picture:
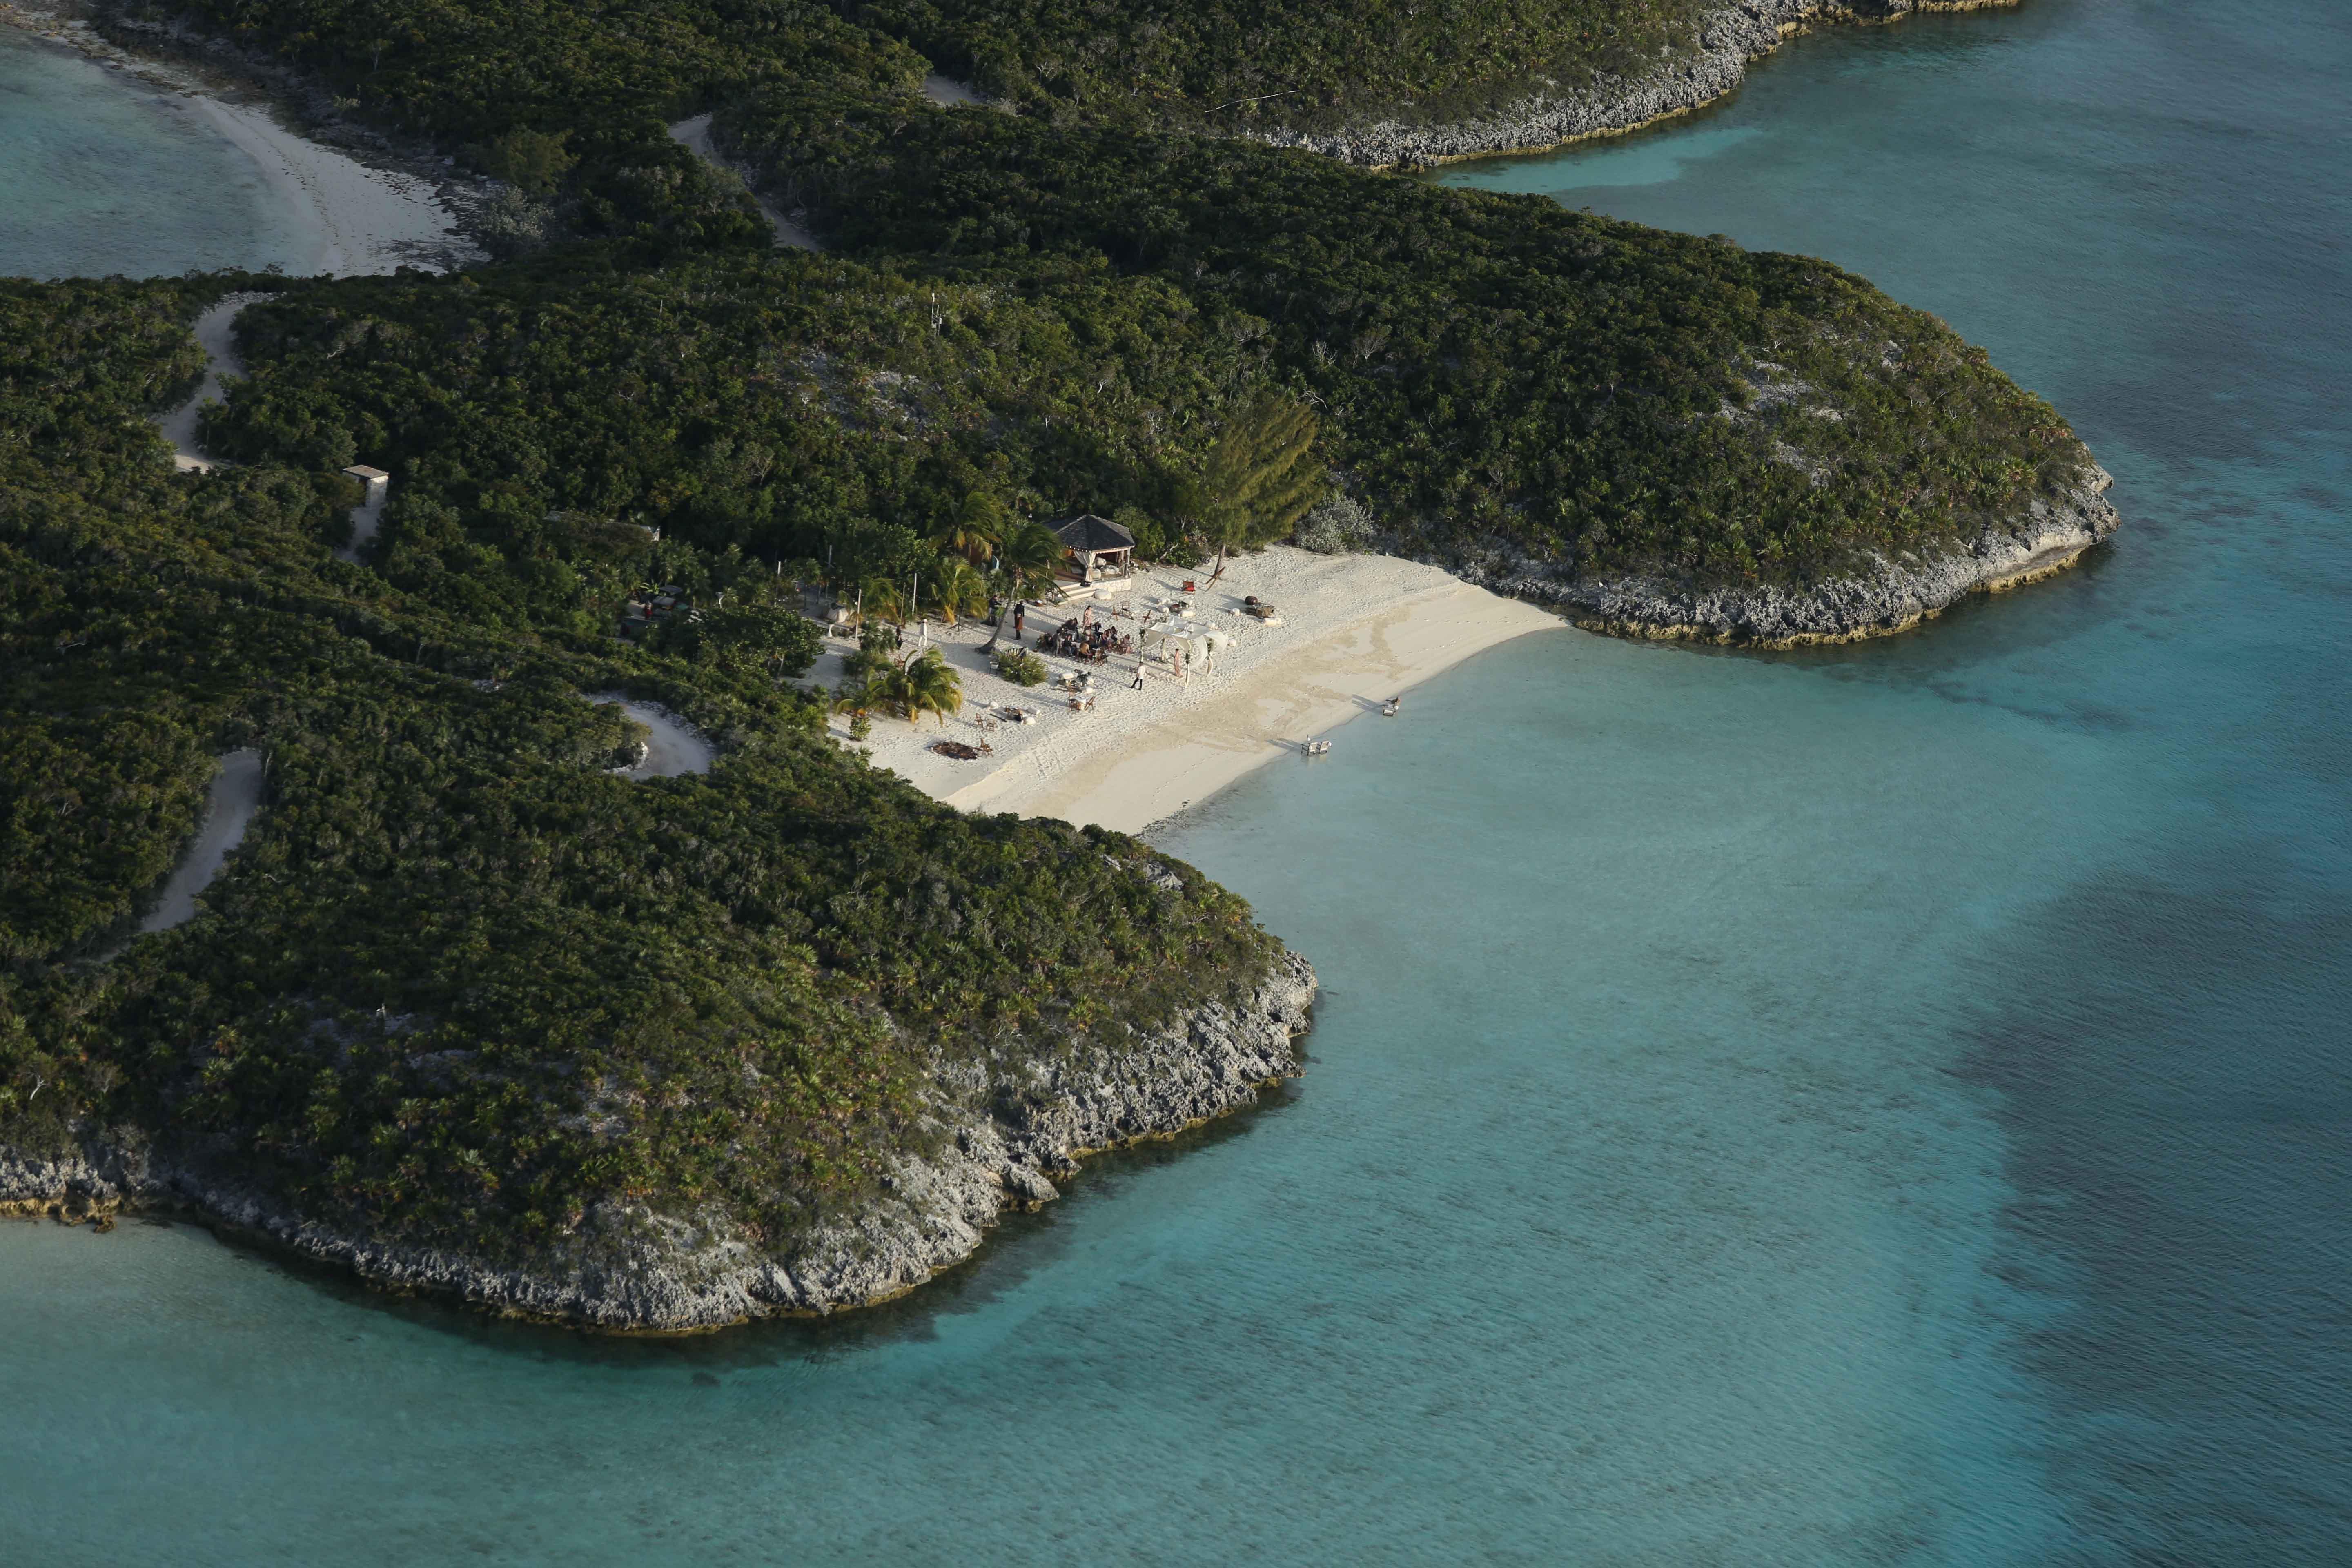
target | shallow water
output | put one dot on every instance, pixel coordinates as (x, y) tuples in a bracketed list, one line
[(105, 174), (1869, 1106)]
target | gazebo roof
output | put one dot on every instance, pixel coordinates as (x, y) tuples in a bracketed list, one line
[(1090, 534)]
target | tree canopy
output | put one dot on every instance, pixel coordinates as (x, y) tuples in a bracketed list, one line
[(1261, 474)]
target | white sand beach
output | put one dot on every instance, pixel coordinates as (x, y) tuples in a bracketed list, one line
[(365, 220), (362, 220), (1355, 630)]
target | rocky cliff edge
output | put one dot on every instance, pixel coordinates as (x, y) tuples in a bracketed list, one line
[(1728, 39), (1003, 1138), (1878, 597)]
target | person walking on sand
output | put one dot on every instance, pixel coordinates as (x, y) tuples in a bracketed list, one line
[(1020, 611)]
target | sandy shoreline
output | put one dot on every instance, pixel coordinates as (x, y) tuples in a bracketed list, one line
[(356, 219), (1355, 630), (362, 220)]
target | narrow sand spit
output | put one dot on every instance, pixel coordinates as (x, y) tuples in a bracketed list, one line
[(228, 807), (1355, 630), (365, 220), (694, 135), (671, 749), (213, 333)]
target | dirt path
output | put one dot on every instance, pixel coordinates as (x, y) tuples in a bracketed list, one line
[(694, 135), (213, 333), (228, 807), (366, 521), (671, 750)]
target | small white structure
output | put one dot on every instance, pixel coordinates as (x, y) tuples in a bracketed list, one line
[(376, 480)]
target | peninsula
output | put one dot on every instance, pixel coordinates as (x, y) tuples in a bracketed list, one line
[(575, 960)]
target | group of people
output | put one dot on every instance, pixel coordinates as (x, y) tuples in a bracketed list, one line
[(1094, 644)]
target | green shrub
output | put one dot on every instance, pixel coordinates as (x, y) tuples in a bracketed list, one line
[(533, 162), (1021, 666)]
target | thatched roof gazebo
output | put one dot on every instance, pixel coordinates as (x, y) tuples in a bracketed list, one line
[(1097, 548)]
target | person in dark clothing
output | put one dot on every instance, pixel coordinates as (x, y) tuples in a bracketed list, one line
[(1020, 610)]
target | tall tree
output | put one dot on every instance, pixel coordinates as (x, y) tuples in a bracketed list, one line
[(1262, 475), (1030, 553)]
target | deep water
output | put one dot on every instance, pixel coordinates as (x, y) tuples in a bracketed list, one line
[(101, 172), (1879, 1105)]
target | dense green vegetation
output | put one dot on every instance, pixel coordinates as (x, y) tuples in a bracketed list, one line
[(1224, 67), (792, 409), (463, 981), (1058, 310), (1488, 367)]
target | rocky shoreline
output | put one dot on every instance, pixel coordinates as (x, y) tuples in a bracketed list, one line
[(1884, 597), (1738, 33), (1002, 1142)]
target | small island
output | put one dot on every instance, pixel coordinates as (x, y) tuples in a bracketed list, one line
[(567, 954)]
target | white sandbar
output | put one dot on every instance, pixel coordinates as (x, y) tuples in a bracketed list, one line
[(363, 220)]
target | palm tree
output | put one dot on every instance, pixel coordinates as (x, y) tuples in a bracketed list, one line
[(926, 685), (1030, 552), (954, 587), (976, 530), (885, 689), (1261, 477), (884, 600)]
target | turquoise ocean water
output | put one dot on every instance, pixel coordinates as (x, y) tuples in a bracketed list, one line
[(1883, 1105), (100, 173)]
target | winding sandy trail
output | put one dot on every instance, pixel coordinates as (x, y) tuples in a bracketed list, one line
[(672, 749), (694, 135), (215, 334), (229, 806)]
